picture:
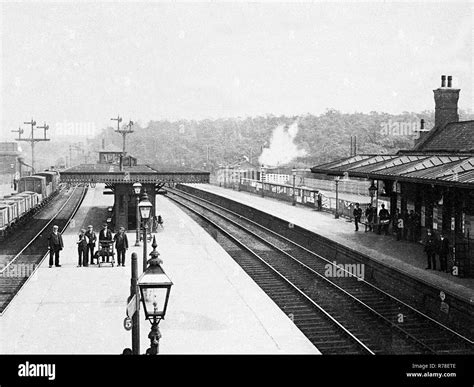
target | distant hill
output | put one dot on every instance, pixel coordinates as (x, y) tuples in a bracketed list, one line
[(208, 143)]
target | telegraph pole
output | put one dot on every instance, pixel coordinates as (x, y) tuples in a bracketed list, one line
[(32, 140), (77, 147), (124, 131)]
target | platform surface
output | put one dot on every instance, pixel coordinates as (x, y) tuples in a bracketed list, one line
[(214, 307), (407, 257)]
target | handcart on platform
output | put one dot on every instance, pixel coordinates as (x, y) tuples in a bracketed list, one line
[(106, 253)]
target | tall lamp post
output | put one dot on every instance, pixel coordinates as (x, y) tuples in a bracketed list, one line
[(373, 189), (336, 180), (294, 187), (155, 287), (137, 187), (145, 207)]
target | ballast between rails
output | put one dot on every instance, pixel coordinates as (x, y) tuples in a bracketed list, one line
[(334, 321), (179, 192), (394, 299)]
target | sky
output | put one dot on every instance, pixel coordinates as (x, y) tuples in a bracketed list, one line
[(79, 64)]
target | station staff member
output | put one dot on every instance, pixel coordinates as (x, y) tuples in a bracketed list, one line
[(121, 245), (105, 238), (82, 248), (90, 234), (55, 245)]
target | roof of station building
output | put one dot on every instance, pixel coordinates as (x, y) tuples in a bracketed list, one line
[(453, 137), (445, 156), (442, 168), (111, 173)]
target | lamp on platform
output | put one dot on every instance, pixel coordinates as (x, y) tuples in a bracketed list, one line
[(155, 287), (137, 187), (372, 191), (336, 180), (294, 187), (145, 207)]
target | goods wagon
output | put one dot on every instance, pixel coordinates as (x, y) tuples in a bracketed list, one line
[(33, 183)]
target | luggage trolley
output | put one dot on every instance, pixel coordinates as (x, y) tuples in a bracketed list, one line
[(106, 249)]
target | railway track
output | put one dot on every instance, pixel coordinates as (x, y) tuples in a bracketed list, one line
[(339, 313), (15, 274)]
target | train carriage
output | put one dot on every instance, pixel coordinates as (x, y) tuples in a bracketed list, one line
[(33, 183)]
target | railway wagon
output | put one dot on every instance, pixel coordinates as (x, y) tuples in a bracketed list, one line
[(33, 198), (52, 177), (4, 219), (33, 183), (21, 204), (28, 199), (12, 209)]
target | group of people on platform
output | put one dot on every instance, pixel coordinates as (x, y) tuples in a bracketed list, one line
[(87, 241), (405, 225), (86, 245)]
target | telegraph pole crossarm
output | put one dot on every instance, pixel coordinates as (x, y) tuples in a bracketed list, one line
[(32, 140)]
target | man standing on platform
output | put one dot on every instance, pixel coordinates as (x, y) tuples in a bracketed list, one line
[(357, 215), (384, 217), (90, 234), (55, 245), (121, 245), (369, 218), (82, 249), (430, 249), (105, 239), (443, 253)]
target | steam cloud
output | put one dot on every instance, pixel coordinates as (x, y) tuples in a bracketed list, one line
[(282, 149)]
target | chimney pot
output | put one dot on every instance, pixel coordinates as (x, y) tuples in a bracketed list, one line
[(443, 80), (450, 79)]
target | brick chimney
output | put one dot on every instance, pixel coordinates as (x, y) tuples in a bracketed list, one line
[(446, 103)]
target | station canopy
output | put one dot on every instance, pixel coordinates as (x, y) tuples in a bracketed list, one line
[(112, 174), (451, 169)]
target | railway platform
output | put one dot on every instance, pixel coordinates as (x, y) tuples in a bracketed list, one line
[(406, 257), (214, 307)]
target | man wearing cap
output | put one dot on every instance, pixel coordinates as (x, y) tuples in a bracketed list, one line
[(105, 238), (55, 245), (121, 245), (90, 234), (82, 248)]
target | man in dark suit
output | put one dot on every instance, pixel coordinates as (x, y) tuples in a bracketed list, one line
[(357, 215), (443, 253), (90, 234), (82, 249), (55, 245), (430, 249), (105, 238), (121, 245)]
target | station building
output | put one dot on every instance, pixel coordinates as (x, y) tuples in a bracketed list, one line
[(435, 179)]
